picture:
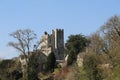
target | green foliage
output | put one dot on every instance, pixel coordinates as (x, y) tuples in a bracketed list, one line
[(71, 58), (51, 61), (75, 44), (81, 74), (90, 64), (10, 69), (16, 75), (115, 73), (33, 67), (76, 73)]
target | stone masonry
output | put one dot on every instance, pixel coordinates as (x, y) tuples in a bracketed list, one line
[(53, 42)]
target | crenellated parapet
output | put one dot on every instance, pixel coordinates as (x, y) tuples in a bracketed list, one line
[(53, 42)]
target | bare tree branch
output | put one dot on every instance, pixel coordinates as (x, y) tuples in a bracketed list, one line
[(24, 39)]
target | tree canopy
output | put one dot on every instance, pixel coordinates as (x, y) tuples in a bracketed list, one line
[(51, 61), (75, 44)]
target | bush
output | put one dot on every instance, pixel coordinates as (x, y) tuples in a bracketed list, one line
[(71, 58), (91, 66), (10, 69)]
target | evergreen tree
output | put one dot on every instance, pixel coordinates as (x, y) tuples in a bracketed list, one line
[(33, 67), (71, 57), (51, 60), (75, 44)]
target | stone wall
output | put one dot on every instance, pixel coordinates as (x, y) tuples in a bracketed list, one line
[(53, 42)]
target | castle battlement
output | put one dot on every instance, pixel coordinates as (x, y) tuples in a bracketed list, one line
[(53, 42)]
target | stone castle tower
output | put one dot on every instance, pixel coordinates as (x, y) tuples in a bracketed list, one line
[(53, 42)]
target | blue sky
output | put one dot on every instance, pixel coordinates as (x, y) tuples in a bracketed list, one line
[(74, 16)]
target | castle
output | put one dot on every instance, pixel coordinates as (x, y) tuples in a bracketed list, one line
[(48, 43), (53, 43)]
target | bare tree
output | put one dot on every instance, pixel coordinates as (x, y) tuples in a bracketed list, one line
[(24, 41), (111, 34), (23, 44), (97, 44), (111, 29)]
